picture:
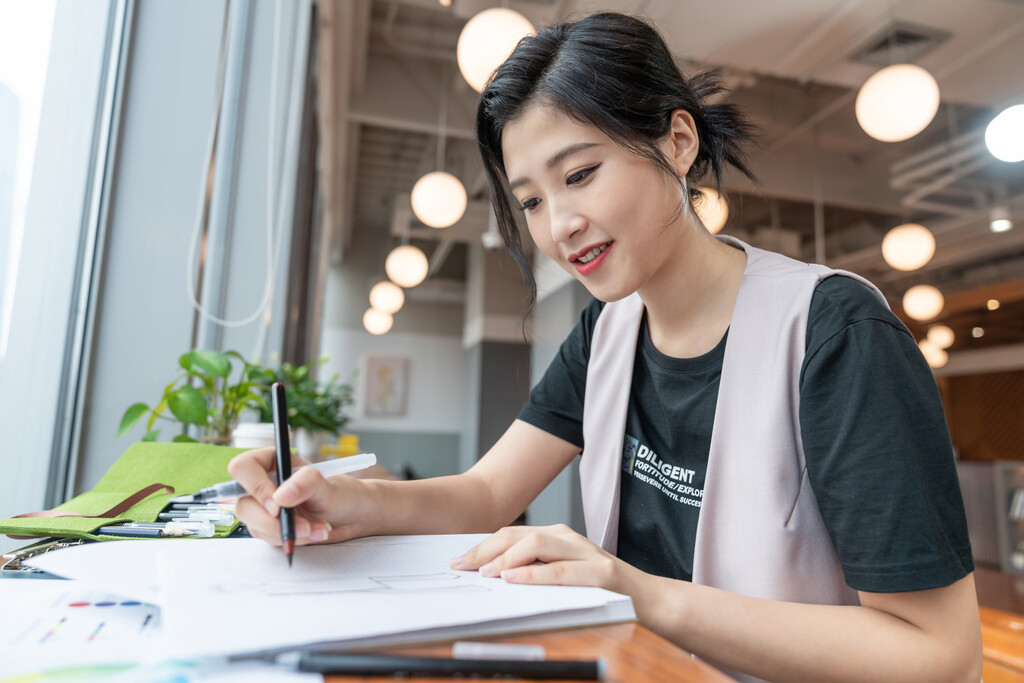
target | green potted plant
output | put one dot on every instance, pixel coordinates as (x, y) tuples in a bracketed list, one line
[(315, 408), (204, 395)]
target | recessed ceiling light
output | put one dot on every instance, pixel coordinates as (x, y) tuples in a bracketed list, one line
[(992, 304), (977, 332), (999, 219)]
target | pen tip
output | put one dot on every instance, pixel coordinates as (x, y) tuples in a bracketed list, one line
[(289, 549), (290, 560)]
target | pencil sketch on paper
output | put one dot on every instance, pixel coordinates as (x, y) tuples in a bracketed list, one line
[(398, 583)]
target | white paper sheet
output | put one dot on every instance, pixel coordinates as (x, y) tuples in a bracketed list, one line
[(128, 568), (71, 631), (239, 595), (223, 596), (52, 625)]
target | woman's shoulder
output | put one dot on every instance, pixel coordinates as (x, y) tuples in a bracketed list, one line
[(851, 300), (845, 304)]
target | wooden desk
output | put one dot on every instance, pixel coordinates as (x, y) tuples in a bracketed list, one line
[(633, 652)]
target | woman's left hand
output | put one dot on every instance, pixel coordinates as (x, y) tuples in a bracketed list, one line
[(551, 555)]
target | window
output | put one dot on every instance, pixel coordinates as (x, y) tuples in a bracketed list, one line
[(53, 61)]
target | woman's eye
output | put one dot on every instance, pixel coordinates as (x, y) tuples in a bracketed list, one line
[(581, 175), (529, 205)]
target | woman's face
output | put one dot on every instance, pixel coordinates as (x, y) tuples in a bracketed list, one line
[(610, 218)]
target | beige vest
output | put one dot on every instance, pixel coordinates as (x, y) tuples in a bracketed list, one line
[(760, 532)]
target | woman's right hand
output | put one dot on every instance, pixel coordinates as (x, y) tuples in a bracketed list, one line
[(326, 509)]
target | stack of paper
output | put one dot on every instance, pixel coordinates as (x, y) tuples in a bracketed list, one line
[(238, 596), (68, 624)]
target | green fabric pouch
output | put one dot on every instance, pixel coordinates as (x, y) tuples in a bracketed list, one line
[(181, 468)]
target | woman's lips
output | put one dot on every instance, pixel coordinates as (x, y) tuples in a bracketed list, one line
[(590, 266)]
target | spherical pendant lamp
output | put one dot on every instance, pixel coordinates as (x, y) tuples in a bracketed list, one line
[(941, 336), (923, 302), (439, 199), (386, 296), (486, 40), (908, 247), (406, 266), (933, 355), (1004, 137), (712, 210), (897, 102), (377, 322)]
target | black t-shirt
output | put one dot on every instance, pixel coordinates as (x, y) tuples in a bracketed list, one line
[(874, 434)]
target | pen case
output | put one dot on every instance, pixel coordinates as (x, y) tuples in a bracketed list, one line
[(135, 489)]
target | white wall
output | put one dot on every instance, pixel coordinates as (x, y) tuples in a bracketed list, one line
[(435, 403)]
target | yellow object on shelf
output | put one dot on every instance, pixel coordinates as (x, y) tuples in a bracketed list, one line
[(348, 444)]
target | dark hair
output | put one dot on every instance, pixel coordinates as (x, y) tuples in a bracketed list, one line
[(615, 72)]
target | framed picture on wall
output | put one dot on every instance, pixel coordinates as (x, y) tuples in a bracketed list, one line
[(386, 386)]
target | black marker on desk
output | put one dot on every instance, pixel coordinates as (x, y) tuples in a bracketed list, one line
[(279, 407), (385, 665)]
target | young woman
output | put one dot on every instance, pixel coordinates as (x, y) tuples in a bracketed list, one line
[(766, 468)]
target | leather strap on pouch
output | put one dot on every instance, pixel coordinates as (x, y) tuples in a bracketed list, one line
[(115, 511)]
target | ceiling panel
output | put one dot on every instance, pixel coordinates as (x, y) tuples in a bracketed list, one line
[(788, 65)]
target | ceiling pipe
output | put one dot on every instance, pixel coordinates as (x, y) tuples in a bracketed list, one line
[(837, 104), (868, 256), (819, 203), (977, 196), (925, 171), (438, 256), (944, 209), (944, 180), (808, 124), (388, 32), (907, 164)]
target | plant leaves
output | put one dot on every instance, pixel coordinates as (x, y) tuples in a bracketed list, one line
[(131, 416), (183, 438), (188, 405), (151, 435), (185, 361), (214, 362), (157, 412)]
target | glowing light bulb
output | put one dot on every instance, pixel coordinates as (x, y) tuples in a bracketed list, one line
[(934, 356), (406, 266), (377, 322), (941, 336), (486, 41), (897, 102), (439, 199), (923, 302), (1004, 136), (387, 297), (908, 247)]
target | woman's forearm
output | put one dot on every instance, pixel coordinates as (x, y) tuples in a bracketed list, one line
[(924, 636), (440, 505), (490, 495)]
